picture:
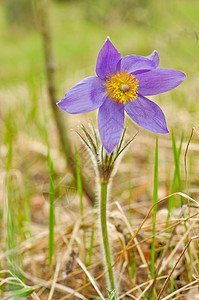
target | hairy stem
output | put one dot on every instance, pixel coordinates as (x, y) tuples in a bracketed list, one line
[(103, 220)]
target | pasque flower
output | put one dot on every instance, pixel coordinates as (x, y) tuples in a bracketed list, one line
[(120, 86)]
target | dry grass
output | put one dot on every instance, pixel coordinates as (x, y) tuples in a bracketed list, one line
[(69, 273)]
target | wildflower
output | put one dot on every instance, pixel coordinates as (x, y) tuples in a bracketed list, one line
[(121, 85)]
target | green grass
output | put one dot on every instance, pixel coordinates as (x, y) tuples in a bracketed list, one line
[(92, 236), (177, 166), (51, 199), (80, 192), (14, 219), (132, 260), (155, 199), (177, 157), (78, 39)]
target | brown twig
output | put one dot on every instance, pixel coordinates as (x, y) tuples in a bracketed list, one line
[(186, 152), (165, 251), (179, 258), (42, 12)]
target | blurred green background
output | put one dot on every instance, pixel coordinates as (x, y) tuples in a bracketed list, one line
[(79, 30)]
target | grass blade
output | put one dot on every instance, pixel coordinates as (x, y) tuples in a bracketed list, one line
[(12, 221), (155, 199), (132, 260), (27, 216), (80, 191), (92, 236), (177, 164), (171, 202), (51, 212), (79, 182), (177, 168), (24, 292), (51, 200)]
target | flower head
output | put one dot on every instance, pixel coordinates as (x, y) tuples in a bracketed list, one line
[(120, 86)]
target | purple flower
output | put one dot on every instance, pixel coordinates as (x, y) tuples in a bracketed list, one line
[(121, 85)]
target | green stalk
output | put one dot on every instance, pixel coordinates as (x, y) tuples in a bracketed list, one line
[(103, 219), (177, 164), (80, 191), (51, 198), (92, 236), (132, 261), (155, 199), (171, 202)]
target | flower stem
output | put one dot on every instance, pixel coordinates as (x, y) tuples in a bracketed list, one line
[(103, 219)]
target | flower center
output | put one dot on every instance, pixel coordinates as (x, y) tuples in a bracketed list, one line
[(121, 87)]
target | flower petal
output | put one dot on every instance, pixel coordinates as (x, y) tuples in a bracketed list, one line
[(159, 81), (147, 114), (87, 95), (107, 60), (133, 63), (155, 58), (110, 123)]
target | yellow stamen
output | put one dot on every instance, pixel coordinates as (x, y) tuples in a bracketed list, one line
[(121, 87)]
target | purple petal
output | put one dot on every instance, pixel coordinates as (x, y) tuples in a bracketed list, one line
[(155, 58), (87, 95), (107, 60), (110, 123), (159, 81), (147, 114), (134, 63)]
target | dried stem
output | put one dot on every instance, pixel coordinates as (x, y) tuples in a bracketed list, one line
[(165, 251), (186, 152), (42, 11), (179, 258)]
